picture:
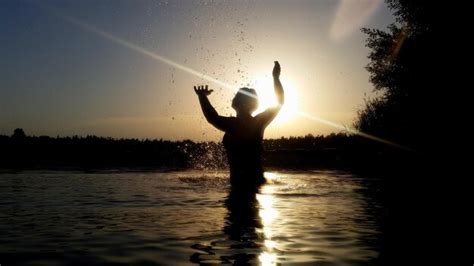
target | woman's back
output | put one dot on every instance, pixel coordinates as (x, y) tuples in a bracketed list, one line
[(243, 144)]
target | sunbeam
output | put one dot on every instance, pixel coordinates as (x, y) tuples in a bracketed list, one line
[(90, 28)]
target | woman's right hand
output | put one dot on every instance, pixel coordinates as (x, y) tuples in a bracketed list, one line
[(202, 90), (276, 70)]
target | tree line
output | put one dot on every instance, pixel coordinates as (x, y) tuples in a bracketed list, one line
[(341, 150)]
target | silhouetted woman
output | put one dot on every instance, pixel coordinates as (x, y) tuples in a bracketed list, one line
[(243, 133)]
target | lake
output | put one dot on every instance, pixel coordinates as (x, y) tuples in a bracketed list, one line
[(188, 217)]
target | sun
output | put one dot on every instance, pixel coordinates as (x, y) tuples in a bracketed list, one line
[(267, 98)]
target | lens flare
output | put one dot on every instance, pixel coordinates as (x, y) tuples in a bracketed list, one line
[(351, 15)]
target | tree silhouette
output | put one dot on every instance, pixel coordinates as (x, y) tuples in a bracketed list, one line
[(403, 69), (91, 152), (18, 133)]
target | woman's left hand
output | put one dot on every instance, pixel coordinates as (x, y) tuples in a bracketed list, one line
[(202, 90)]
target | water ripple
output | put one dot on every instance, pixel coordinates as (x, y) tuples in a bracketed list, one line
[(64, 218)]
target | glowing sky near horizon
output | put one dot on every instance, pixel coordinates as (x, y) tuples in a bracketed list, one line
[(59, 79)]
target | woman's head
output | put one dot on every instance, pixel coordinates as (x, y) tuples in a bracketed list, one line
[(245, 101)]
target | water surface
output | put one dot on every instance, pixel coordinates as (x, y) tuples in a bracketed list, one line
[(155, 218)]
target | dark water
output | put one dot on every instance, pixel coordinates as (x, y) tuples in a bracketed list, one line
[(71, 218)]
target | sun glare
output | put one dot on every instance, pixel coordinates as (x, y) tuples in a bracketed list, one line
[(267, 98)]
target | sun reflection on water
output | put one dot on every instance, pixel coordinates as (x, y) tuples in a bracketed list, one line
[(267, 214), (271, 177), (267, 259)]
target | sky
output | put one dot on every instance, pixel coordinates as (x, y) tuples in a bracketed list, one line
[(126, 69)]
